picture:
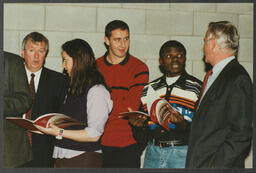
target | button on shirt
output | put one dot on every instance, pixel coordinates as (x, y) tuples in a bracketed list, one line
[(215, 72)]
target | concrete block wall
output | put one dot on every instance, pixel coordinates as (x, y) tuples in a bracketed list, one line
[(151, 24)]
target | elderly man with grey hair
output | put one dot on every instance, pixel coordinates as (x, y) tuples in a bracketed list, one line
[(221, 130)]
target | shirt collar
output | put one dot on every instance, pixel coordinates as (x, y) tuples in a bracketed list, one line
[(171, 80), (127, 57), (37, 73), (219, 66), (180, 81)]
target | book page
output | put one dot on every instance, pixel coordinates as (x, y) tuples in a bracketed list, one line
[(63, 121), (127, 115), (160, 111)]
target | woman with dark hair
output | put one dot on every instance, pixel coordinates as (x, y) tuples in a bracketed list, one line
[(88, 101)]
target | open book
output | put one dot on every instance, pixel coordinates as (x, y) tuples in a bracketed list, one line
[(60, 120), (159, 111)]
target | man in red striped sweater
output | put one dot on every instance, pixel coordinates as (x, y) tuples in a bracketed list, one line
[(126, 77)]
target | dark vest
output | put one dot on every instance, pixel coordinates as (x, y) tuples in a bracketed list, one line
[(76, 107)]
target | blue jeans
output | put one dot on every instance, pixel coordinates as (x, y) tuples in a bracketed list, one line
[(165, 157)]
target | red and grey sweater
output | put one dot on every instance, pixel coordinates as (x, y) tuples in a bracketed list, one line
[(126, 81)]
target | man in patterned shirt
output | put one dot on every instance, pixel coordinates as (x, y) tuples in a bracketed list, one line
[(168, 149)]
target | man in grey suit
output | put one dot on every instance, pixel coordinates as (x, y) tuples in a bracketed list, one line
[(16, 101), (221, 130), (50, 89)]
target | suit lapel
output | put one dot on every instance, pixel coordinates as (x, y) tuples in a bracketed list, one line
[(220, 80)]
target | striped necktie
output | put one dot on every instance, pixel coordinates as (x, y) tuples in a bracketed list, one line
[(28, 114)]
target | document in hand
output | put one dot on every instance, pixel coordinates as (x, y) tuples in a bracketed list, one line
[(159, 113), (60, 120)]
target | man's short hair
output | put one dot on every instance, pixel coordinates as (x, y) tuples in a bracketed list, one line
[(36, 37), (226, 35), (172, 44), (113, 25)]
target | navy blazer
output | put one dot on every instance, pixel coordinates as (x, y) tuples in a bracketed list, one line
[(50, 95), (221, 130)]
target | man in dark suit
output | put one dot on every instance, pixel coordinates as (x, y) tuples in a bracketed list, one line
[(50, 88), (16, 101), (221, 130)]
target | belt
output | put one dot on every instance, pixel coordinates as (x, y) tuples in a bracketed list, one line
[(168, 143)]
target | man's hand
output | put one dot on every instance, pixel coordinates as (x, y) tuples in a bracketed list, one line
[(136, 121), (177, 118)]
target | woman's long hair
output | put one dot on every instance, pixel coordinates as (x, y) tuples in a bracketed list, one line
[(84, 72)]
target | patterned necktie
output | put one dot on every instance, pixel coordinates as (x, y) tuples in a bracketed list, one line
[(28, 114), (203, 87)]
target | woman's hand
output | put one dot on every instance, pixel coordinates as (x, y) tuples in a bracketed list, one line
[(51, 130)]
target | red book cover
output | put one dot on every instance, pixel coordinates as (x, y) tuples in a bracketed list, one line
[(60, 120), (160, 111)]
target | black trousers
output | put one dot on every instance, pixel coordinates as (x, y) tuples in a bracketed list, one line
[(121, 157)]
